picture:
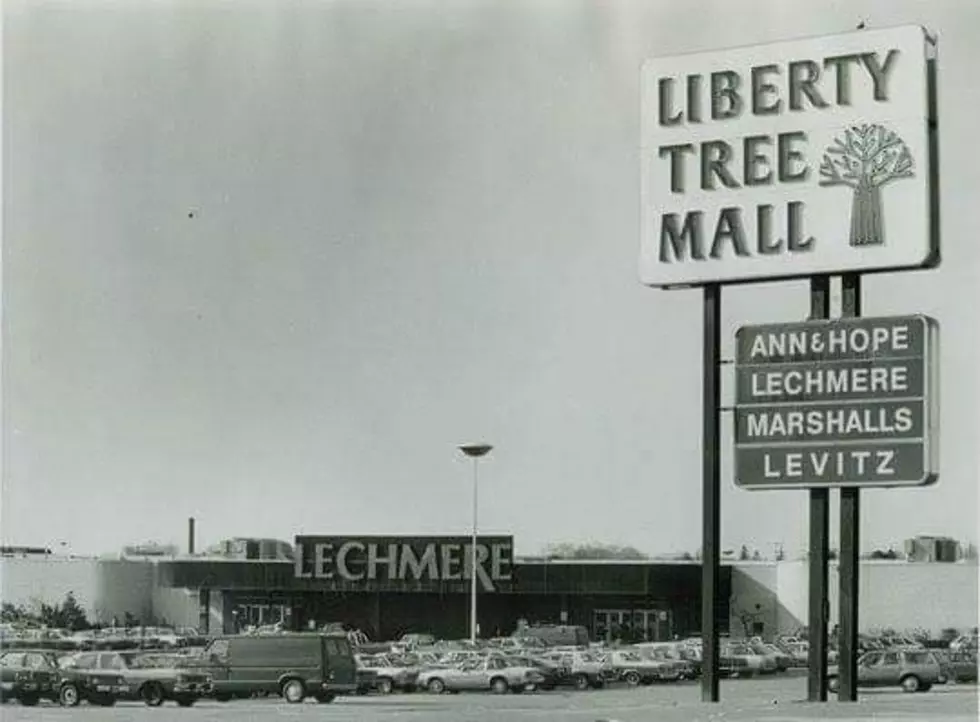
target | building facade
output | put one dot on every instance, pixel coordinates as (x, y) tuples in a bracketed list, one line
[(389, 586)]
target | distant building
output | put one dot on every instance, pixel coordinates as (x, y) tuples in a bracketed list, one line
[(931, 549), (149, 549), (248, 548), (14, 551)]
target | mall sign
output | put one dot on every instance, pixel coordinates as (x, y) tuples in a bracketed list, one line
[(787, 160), (848, 402)]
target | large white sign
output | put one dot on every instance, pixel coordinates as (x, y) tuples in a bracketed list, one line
[(786, 160)]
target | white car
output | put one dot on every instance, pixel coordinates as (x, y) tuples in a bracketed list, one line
[(497, 674)]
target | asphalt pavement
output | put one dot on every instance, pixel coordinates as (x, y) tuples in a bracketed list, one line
[(778, 699)]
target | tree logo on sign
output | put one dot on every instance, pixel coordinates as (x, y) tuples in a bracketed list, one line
[(865, 158)]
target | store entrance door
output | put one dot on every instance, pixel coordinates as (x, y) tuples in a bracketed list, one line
[(631, 625), (652, 625), (607, 623)]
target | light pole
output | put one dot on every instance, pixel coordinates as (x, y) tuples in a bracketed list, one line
[(474, 451)]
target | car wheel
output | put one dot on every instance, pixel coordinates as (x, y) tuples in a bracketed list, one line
[(325, 697), (436, 686), (581, 682), (152, 694), (68, 696), (498, 685), (28, 700), (385, 685), (184, 701), (632, 679), (598, 684), (833, 684), (910, 683), (222, 697), (293, 691)]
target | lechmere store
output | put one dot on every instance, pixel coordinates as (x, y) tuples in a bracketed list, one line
[(389, 586)]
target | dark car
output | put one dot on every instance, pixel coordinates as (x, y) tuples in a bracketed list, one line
[(582, 669), (957, 666), (95, 686), (365, 680), (295, 666), (28, 676), (150, 678)]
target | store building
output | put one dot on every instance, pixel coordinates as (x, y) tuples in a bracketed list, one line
[(388, 586)]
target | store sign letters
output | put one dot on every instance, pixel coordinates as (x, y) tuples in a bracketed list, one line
[(426, 559)]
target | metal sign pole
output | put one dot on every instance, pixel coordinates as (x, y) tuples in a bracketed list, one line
[(850, 538), (819, 542), (711, 493)]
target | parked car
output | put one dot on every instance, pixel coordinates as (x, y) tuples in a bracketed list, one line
[(553, 675), (365, 680), (781, 659), (964, 643), (957, 666), (296, 666), (496, 674), (425, 660), (912, 670), (390, 673), (415, 640), (145, 680), (743, 660), (673, 667), (28, 676), (95, 686), (555, 635), (585, 668), (631, 668)]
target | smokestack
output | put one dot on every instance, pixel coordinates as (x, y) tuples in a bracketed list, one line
[(190, 535)]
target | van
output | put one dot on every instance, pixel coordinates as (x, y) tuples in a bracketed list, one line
[(556, 635), (295, 666)]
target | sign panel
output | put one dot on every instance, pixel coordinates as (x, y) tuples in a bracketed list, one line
[(846, 402), (788, 159), (404, 563)]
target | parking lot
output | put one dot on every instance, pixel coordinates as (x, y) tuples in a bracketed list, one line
[(777, 699)]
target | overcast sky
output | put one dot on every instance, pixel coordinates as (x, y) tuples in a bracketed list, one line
[(267, 263)]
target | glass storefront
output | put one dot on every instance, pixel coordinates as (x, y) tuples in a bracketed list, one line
[(632, 625), (260, 615)]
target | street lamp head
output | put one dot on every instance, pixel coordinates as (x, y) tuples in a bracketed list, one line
[(475, 450)]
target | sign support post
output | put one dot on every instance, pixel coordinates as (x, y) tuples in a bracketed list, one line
[(711, 492), (850, 538), (819, 542)]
